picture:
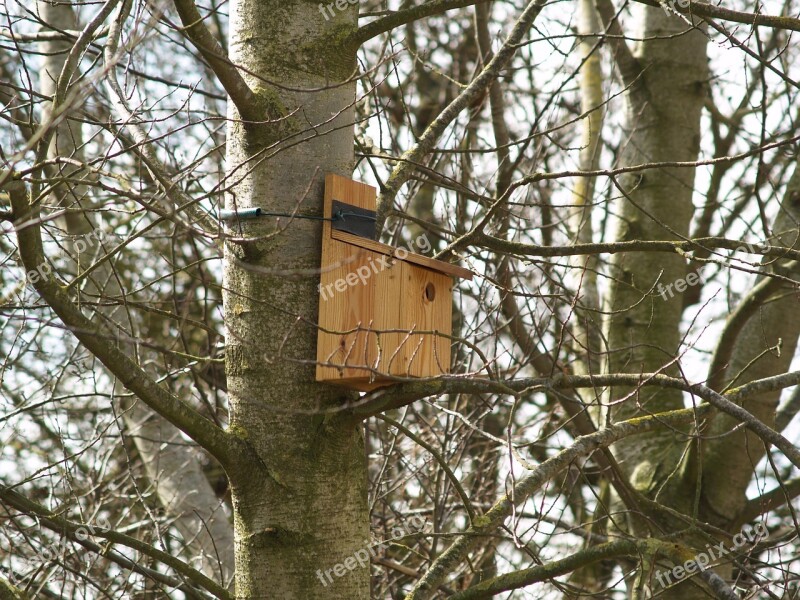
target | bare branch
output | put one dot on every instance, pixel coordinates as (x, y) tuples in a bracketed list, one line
[(144, 147), (681, 246), (405, 393), (70, 529), (733, 327), (402, 172), (494, 518), (525, 577), (629, 67), (229, 76), (703, 9), (776, 497), (10, 592), (224, 447), (788, 410), (403, 17)]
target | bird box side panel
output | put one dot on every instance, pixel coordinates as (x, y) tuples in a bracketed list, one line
[(346, 308), (346, 314), (426, 317)]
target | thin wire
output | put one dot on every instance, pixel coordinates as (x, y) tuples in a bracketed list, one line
[(309, 217), (230, 215)]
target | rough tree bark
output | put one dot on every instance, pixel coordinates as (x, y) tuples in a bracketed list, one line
[(760, 340), (304, 508), (666, 75), (663, 123)]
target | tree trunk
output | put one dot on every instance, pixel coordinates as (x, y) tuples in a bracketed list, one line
[(765, 346), (663, 124), (303, 510)]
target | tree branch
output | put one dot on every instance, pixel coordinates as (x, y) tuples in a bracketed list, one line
[(224, 447), (519, 579), (788, 410), (403, 394), (708, 243), (439, 459), (407, 391), (10, 592), (733, 327), (503, 508), (69, 529), (767, 434), (702, 9), (769, 501), (229, 76), (403, 17), (411, 160), (402, 172), (629, 67), (144, 146)]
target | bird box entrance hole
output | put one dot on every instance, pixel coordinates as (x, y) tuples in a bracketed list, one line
[(384, 312)]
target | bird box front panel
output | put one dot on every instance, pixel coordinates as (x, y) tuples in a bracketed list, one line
[(423, 345)]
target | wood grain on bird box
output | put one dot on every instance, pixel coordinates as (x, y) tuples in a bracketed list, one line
[(384, 312)]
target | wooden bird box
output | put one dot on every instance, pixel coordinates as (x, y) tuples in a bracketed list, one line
[(383, 312)]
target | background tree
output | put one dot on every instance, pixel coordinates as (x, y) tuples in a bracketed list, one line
[(622, 179)]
